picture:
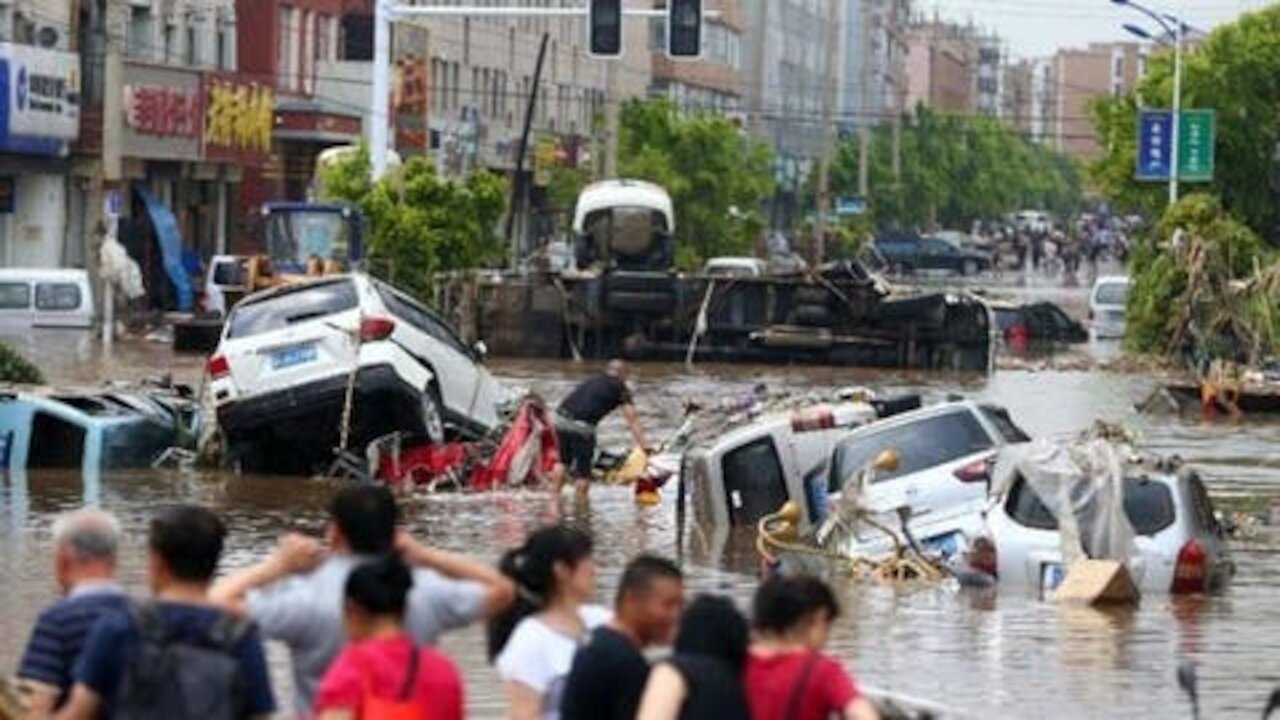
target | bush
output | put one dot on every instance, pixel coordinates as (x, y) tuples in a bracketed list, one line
[(16, 369)]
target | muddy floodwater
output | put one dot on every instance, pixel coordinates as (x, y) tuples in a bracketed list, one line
[(1000, 655)]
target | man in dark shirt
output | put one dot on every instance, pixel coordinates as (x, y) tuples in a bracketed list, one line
[(607, 678), (580, 413), (85, 545), (185, 544)]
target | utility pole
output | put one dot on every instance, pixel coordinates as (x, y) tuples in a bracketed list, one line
[(611, 119), (116, 24), (828, 132), (519, 195)]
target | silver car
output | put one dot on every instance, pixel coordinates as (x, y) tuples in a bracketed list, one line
[(1180, 546)]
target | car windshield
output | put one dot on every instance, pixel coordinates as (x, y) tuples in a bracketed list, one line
[(921, 445), (279, 310), (295, 237), (1112, 293), (1148, 505)]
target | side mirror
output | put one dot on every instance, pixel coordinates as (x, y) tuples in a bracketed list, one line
[(480, 349), (888, 460)]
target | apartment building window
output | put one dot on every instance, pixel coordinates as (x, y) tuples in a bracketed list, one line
[(193, 57), (225, 52), (324, 38), (141, 39), (1117, 71), (170, 54), (435, 90), (287, 57)]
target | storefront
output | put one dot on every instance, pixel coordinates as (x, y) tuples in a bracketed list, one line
[(39, 117)]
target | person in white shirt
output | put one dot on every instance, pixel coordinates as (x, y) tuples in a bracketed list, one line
[(534, 643)]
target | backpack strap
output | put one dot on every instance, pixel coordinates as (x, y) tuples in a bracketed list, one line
[(228, 630), (406, 690)]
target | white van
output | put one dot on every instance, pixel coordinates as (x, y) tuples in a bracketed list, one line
[(45, 297)]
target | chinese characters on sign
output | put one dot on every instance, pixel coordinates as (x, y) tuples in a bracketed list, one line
[(161, 110), (1195, 145), (240, 117), (1155, 131)]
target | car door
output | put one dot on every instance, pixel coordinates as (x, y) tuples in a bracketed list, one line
[(463, 383)]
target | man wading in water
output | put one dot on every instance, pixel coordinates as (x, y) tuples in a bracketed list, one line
[(580, 413)]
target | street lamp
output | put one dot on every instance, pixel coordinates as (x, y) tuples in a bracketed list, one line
[(1176, 30)]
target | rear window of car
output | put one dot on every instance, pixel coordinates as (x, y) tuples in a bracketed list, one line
[(15, 296), (283, 309), (921, 445), (1149, 506), (1112, 293)]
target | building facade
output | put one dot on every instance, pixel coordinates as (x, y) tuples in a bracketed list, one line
[(1081, 76), (709, 83), (873, 80), (40, 88), (942, 61)]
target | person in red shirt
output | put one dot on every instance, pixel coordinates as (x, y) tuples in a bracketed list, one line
[(787, 676), (381, 674)]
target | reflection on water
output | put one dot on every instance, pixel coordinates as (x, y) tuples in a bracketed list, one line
[(990, 654)]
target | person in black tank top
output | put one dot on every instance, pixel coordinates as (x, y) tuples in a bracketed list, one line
[(580, 413), (703, 679)]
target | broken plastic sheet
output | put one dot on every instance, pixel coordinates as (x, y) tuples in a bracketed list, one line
[(121, 270), (1082, 485)]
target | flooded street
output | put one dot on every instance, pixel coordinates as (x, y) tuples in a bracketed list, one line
[(988, 655)]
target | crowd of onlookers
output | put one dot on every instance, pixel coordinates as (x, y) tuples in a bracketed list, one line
[(361, 614)]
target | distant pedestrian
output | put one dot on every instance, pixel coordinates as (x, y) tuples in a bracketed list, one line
[(177, 657), (788, 677), (580, 413), (533, 645), (383, 674), (609, 672), (305, 611), (703, 679), (85, 546)]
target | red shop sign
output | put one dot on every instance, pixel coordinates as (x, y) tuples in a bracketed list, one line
[(161, 110)]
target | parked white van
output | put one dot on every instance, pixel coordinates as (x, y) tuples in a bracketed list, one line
[(45, 297)]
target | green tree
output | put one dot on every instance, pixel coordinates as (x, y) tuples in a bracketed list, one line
[(717, 178), (954, 170), (419, 222), (1235, 71), (1204, 285)]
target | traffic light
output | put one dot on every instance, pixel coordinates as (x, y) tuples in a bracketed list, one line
[(684, 28), (605, 27)]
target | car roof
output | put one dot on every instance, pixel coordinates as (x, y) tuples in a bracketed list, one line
[(906, 418), (1112, 280), (291, 287)]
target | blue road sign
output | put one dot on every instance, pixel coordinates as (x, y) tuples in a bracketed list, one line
[(1155, 145)]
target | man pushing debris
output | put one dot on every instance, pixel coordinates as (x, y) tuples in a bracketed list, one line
[(580, 413)]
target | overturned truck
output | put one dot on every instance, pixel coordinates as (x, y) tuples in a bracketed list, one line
[(622, 296)]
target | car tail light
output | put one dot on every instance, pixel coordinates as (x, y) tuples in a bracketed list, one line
[(373, 329), (218, 367), (982, 557), (979, 471), (1191, 572)]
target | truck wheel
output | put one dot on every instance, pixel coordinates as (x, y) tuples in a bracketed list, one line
[(430, 414), (970, 267)]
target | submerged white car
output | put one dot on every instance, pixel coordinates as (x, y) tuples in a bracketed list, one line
[(1107, 306), (289, 358), (1179, 545)]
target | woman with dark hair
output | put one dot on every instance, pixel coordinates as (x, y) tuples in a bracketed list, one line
[(787, 676), (381, 674), (703, 679), (535, 641)]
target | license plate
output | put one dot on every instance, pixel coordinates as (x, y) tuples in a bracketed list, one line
[(293, 356), (944, 545), (1051, 575)]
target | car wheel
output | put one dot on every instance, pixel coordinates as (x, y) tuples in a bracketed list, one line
[(970, 267), (431, 415)]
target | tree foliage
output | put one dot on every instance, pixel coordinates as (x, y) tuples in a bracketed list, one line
[(717, 178), (419, 222), (1204, 285), (956, 169), (14, 368), (1236, 72)]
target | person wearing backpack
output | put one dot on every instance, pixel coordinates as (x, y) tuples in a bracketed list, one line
[(176, 657), (382, 674)]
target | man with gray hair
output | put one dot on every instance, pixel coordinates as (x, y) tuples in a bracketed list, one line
[(85, 544)]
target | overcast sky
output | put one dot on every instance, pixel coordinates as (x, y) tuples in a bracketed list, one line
[(1033, 28)]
